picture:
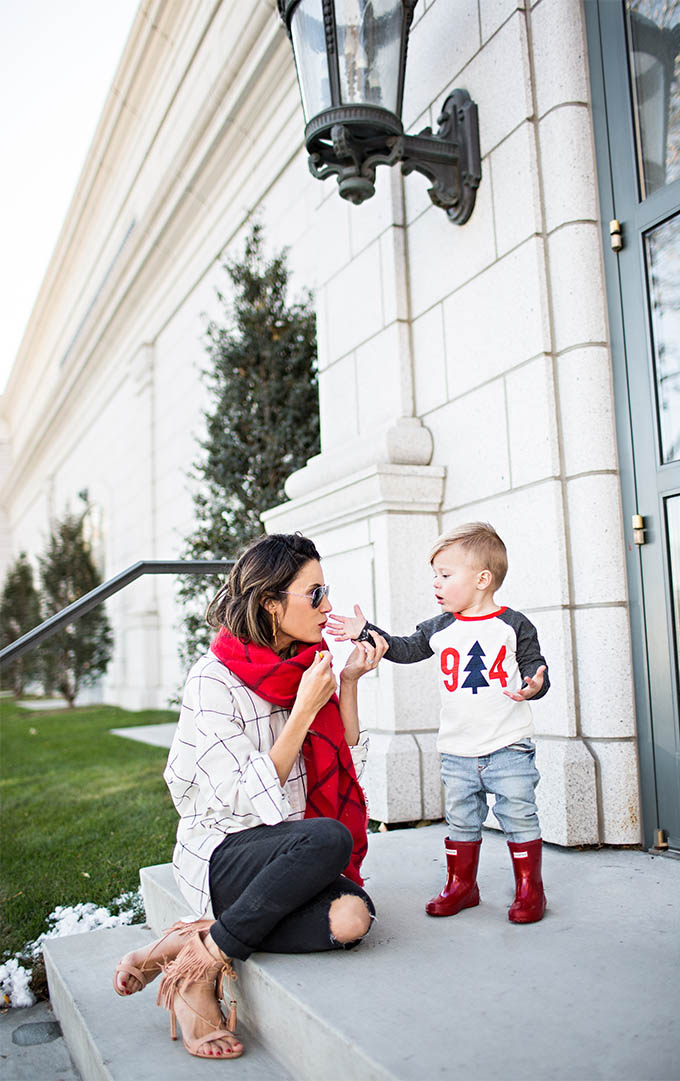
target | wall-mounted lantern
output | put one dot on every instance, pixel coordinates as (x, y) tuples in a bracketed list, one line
[(350, 57)]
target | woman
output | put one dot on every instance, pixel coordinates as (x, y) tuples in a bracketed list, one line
[(263, 772)]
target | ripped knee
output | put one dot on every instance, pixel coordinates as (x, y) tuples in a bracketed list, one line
[(349, 918)]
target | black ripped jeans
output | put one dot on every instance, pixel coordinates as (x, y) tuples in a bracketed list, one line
[(272, 887)]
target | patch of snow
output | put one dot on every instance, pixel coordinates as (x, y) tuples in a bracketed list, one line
[(65, 920), (14, 984)]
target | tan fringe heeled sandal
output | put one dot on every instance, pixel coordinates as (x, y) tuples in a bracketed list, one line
[(195, 964), (156, 957)]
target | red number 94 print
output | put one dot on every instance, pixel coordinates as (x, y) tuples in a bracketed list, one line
[(450, 666)]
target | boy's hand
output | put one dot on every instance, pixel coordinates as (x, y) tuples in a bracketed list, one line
[(344, 628), (533, 686)]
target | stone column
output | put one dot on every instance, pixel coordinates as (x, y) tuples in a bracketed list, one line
[(370, 499)]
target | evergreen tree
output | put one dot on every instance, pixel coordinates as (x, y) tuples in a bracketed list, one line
[(475, 667), (19, 613), (263, 424), (80, 653)]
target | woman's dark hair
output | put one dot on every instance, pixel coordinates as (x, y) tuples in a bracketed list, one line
[(262, 571)]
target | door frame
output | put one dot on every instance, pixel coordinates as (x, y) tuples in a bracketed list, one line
[(620, 155)]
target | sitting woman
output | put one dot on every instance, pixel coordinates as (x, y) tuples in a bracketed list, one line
[(263, 772)]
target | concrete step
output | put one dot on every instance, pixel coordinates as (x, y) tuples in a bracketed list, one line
[(586, 993), (582, 994), (279, 997), (127, 1039)]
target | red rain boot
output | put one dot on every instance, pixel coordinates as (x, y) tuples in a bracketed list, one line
[(461, 889), (529, 903)]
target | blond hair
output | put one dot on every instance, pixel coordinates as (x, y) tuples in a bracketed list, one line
[(480, 541)]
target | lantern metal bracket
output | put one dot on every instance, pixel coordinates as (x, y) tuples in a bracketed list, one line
[(450, 159)]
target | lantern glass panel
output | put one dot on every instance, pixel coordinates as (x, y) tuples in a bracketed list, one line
[(369, 50), (309, 46)]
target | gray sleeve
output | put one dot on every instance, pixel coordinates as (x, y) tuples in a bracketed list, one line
[(413, 647), (529, 656)]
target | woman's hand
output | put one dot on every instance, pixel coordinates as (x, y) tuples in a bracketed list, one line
[(316, 685), (344, 628), (364, 658)]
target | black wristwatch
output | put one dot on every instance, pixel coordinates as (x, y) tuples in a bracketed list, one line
[(366, 636)]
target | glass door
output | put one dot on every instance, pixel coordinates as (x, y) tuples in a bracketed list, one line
[(636, 108)]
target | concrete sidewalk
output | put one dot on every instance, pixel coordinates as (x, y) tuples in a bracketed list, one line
[(32, 1047)]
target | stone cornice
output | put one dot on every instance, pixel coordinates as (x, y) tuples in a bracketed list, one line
[(180, 206)]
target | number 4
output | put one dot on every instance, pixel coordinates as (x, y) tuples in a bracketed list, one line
[(497, 671)]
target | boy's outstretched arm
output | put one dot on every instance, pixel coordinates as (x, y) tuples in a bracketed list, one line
[(415, 647)]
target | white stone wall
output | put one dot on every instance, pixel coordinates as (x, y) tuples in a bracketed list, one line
[(463, 371)]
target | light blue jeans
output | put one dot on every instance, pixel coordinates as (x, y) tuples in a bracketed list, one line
[(510, 774)]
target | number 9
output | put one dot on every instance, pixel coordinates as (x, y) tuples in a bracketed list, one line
[(450, 660)]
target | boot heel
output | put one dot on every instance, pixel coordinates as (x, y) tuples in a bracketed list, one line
[(461, 890), (474, 899)]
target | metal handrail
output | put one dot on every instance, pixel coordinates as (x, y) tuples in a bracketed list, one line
[(106, 589)]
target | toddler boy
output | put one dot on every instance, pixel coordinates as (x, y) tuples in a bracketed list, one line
[(490, 665)]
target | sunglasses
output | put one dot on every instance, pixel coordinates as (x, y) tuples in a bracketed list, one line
[(316, 596)]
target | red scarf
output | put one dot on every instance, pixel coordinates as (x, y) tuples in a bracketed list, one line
[(332, 787)]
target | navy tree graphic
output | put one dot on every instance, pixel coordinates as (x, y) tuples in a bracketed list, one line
[(475, 667)]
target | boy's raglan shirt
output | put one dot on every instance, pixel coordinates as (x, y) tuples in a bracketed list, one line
[(478, 658)]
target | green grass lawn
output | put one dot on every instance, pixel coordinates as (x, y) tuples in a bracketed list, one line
[(81, 812)]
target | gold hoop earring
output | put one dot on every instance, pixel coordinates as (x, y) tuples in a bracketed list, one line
[(275, 627)]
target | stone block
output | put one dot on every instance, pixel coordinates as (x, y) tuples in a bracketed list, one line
[(617, 763), (477, 464), (391, 779), (323, 350), (429, 360), (369, 220), (433, 794), (338, 402), (443, 256), (532, 422), (332, 222), (440, 45), (555, 715), (567, 792), (379, 390), (493, 13), (568, 166), (596, 539), (353, 305), (531, 522), (498, 78), (513, 170), (498, 320), (605, 677), (586, 410), (394, 286), (577, 288), (558, 53)]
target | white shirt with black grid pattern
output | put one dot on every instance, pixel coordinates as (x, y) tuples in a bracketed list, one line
[(220, 775)]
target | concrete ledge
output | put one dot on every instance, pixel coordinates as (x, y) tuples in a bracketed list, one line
[(127, 1039)]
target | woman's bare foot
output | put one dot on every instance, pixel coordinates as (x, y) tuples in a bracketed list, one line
[(148, 960)]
